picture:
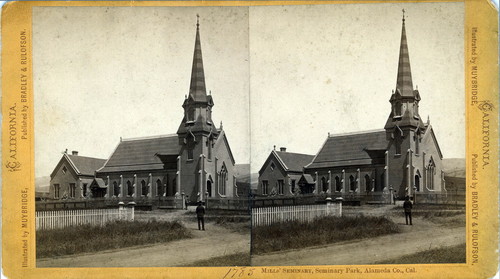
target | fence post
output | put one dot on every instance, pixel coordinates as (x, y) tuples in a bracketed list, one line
[(131, 205)]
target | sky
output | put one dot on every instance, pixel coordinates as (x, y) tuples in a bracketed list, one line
[(279, 75)]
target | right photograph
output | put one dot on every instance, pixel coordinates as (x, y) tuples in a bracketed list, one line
[(358, 135)]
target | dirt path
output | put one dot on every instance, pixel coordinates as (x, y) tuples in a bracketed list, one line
[(213, 242), (419, 237)]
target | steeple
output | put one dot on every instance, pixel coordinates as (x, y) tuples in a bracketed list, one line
[(404, 82), (404, 100), (197, 88), (197, 105)]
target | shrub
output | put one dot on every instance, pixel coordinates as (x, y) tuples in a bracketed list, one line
[(325, 230), (119, 234)]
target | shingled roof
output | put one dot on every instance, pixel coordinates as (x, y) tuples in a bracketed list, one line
[(141, 154), (350, 149), (81, 165), (294, 161)]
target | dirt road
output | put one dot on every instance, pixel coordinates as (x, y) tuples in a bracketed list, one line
[(423, 235), (213, 242)]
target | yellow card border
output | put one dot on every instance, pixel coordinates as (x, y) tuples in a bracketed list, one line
[(18, 188)]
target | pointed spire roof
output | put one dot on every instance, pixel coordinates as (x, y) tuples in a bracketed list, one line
[(197, 88), (404, 82)]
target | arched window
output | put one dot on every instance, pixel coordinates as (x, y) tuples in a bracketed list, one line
[(144, 188), (368, 183), (431, 171), (417, 142), (191, 114), (397, 109), (130, 188), (209, 147), (397, 141), (338, 184), (352, 184), (222, 180), (116, 189), (324, 184), (209, 188), (417, 182), (159, 188)]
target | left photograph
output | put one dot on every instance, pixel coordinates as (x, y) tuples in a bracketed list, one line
[(141, 136)]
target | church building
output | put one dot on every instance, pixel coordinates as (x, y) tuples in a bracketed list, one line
[(195, 163), (404, 157)]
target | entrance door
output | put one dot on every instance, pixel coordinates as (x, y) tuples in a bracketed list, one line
[(209, 188)]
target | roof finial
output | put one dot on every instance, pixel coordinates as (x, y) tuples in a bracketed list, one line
[(403, 15), (197, 20)]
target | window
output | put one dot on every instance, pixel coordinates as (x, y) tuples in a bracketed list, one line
[(84, 189), (352, 184), (273, 166), (281, 187), (190, 147), (397, 141), (159, 188), (222, 180), (72, 190), (64, 170), (338, 184), (417, 142), (57, 190), (293, 185), (265, 187), (209, 145), (130, 188), (191, 113), (431, 171), (144, 188), (116, 189), (324, 184), (397, 109), (368, 185)]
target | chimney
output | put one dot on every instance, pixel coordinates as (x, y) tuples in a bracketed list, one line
[(283, 149), (74, 152)]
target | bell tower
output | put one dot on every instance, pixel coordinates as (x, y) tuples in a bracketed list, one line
[(404, 125), (197, 133)]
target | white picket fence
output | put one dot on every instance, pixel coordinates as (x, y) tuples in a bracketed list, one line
[(264, 216), (94, 217)]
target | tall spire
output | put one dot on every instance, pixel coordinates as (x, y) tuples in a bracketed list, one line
[(197, 88), (404, 81)]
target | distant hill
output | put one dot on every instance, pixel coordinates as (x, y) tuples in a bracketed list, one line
[(42, 184), (454, 167)]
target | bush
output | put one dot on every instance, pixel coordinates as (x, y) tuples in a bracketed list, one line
[(325, 230), (119, 234)]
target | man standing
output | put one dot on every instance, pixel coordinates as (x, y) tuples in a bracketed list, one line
[(200, 213), (407, 207)]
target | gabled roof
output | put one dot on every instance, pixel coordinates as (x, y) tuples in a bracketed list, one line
[(141, 153), (290, 162), (350, 149), (81, 165)]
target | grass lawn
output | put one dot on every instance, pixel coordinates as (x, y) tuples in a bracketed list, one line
[(120, 234), (239, 259), (294, 235), (452, 254), (237, 221)]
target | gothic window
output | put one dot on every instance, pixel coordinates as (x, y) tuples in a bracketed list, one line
[(57, 190), (417, 182), (431, 171), (368, 183), (397, 109), (338, 184), (265, 187), (281, 187), (116, 189), (144, 188), (159, 188), (397, 141), (130, 188), (324, 184), (222, 180), (209, 146), (191, 113), (352, 184), (417, 142)]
